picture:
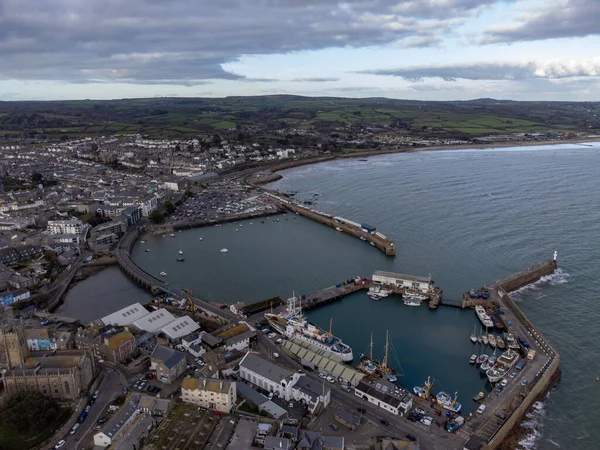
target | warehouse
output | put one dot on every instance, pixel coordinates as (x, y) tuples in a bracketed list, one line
[(180, 327), (126, 315), (401, 281), (154, 321)]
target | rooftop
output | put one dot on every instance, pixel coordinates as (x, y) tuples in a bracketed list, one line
[(206, 384), (401, 276), (265, 368), (126, 315)]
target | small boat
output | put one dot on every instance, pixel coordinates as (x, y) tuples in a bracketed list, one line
[(237, 229), (241, 226), (479, 397), (372, 243), (147, 250), (375, 297), (200, 238), (473, 359), (338, 229), (482, 358), (447, 402), (164, 235), (484, 338), (391, 378), (500, 343), (363, 238), (485, 366), (180, 252), (224, 250), (172, 235), (492, 340), (473, 336), (181, 259), (163, 274)]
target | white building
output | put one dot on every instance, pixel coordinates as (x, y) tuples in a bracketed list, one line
[(180, 327), (283, 382), (154, 321), (398, 280), (15, 223), (72, 226), (235, 308), (148, 205), (209, 393), (126, 315), (384, 394), (118, 423)]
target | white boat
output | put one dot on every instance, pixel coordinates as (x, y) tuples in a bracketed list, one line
[(224, 250), (200, 238), (484, 339), (338, 229), (448, 402), (172, 235), (411, 301), (473, 359), (142, 242), (363, 239), (237, 229), (372, 243), (483, 316), (147, 250), (492, 340), (180, 252), (163, 274), (504, 364), (292, 324), (473, 336)]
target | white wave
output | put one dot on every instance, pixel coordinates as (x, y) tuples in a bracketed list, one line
[(559, 277), (534, 422)]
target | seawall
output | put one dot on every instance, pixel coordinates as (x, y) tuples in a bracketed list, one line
[(524, 277)]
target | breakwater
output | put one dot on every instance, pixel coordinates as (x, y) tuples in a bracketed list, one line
[(375, 238)]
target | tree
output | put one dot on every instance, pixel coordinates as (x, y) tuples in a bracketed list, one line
[(169, 208), (156, 216), (37, 178), (188, 193)]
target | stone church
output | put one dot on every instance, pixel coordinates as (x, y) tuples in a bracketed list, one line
[(61, 374)]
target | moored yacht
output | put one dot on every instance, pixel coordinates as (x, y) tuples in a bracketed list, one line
[(484, 317)]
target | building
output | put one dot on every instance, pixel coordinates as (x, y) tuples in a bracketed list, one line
[(235, 308), (154, 321), (72, 226), (283, 382), (238, 337), (351, 421), (119, 423), (15, 254), (10, 297), (118, 348), (16, 223), (38, 339), (168, 363), (401, 281), (126, 315), (180, 327), (384, 394), (277, 443), (132, 214), (156, 407), (118, 227), (148, 205), (311, 440), (209, 393), (63, 375)]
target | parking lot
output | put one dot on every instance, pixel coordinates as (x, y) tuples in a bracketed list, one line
[(220, 200)]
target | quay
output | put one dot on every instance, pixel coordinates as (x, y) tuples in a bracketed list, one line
[(332, 293), (367, 233), (541, 371), (400, 284)]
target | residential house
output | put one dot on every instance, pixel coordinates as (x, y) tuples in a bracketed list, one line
[(351, 421), (314, 440), (277, 443), (15, 254), (209, 393), (168, 363), (118, 348), (236, 307), (10, 297)]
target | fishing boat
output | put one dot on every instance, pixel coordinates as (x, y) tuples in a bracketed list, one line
[(411, 301), (479, 397), (492, 340), (448, 402), (483, 316), (380, 368), (180, 252), (367, 365), (291, 323), (500, 343), (473, 359), (423, 391), (384, 369), (492, 359), (485, 366), (473, 336), (481, 358), (180, 259), (224, 250), (375, 297), (376, 292), (163, 274)]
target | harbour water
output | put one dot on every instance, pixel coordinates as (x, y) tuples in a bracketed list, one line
[(465, 217)]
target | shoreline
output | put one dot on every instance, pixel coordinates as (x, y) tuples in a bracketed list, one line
[(275, 168)]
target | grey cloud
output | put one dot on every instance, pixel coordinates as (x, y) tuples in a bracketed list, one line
[(496, 71), (576, 18), (315, 79), (157, 42)]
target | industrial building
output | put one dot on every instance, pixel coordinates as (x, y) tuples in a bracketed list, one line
[(401, 281), (126, 315), (384, 394)]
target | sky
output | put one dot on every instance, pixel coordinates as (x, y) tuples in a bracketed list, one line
[(410, 49)]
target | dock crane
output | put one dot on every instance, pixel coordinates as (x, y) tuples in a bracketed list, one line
[(191, 307)]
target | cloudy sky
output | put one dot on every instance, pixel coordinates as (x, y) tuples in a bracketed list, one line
[(416, 49)]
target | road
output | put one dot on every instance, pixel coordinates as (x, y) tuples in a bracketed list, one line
[(111, 387)]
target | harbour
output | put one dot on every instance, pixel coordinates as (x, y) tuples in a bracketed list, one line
[(418, 262)]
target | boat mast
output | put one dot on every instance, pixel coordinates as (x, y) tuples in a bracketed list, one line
[(330, 326), (385, 359), (371, 348)]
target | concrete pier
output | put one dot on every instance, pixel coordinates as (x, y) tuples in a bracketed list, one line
[(331, 294), (383, 243)]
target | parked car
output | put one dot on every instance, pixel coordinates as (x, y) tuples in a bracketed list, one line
[(333, 426), (150, 376), (95, 394), (47, 322), (411, 437), (275, 355), (362, 410), (322, 374), (74, 429), (330, 379), (523, 382), (501, 415), (504, 382), (514, 374), (278, 341), (384, 422), (60, 443), (481, 409), (125, 390)]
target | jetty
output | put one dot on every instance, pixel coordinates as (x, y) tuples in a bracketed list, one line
[(540, 360), (362, 231), (332, 293)]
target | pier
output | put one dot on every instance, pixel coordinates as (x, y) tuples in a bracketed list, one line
[(375, 238), (332, 294), (541, 372)]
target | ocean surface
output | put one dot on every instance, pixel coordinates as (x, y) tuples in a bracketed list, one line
[(467, 217)]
